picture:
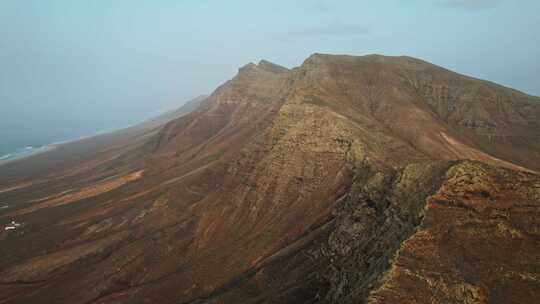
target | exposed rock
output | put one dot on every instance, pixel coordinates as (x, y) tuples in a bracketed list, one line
[(478, 242)]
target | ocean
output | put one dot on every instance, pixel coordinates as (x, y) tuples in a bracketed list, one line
[(16, 145), (23, 152)]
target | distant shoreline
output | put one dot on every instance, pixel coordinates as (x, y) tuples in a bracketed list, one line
[(33, 150), (28, 151)]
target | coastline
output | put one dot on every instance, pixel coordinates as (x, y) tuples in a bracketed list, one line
[(13, 157), (30, 151)]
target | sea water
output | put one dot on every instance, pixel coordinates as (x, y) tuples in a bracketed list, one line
[(24, 152)]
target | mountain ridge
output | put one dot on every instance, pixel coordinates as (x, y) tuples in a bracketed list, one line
[(226, 202)]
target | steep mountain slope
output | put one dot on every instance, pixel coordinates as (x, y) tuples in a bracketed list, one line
[(486, 253), (290, 186)]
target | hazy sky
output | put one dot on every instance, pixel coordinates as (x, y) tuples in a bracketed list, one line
[(69, 68)]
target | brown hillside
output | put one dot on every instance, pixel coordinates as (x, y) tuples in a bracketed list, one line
[(327, 183)]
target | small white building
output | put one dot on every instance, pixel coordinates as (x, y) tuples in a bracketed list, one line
[(12, 226)]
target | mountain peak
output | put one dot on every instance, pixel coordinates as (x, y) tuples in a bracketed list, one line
[(272, 67), (318, 57), (247, 67), (263, 65)]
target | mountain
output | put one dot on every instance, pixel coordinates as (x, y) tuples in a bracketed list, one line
[(167, 116), (368, 179)]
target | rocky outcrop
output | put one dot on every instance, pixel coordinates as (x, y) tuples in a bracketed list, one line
[(342, 260), (440, 232), (478, 242)]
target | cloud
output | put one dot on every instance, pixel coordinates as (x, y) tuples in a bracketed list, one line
[(471, 5), (335, 29)]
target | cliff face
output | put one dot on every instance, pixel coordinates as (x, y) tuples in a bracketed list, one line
[(444, 232), (478, 242), (337, 181)]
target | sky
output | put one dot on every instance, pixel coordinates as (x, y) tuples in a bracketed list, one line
[(74, 68)]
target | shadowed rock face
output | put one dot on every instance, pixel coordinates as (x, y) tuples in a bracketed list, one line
[(340, 181), (446, 232)]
